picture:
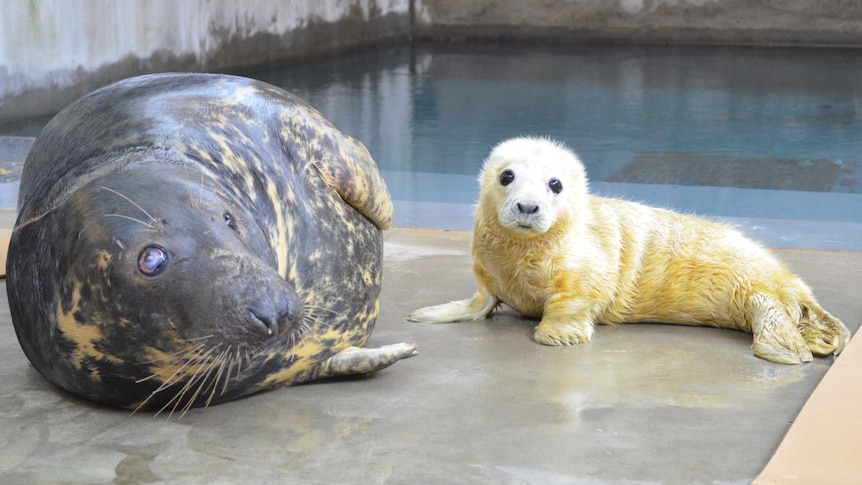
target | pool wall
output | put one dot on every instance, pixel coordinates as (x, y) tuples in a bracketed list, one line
[(52, 51), (756, 22)]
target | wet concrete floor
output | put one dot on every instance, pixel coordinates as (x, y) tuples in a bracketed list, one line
[(482, 403)]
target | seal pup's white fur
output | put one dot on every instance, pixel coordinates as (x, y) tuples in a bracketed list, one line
[(547, 248)]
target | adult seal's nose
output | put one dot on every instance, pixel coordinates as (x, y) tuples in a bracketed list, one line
[(272, 314)]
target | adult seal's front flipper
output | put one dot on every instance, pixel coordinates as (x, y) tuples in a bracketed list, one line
[(357, 360)]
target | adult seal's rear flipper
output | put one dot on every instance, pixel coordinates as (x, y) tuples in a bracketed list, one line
[(357, 360), (353, 175)]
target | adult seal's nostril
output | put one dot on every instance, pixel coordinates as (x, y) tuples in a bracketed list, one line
[(528, 209), (263, 323), (184, 216), (288, 314)]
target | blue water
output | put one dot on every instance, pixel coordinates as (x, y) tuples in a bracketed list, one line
[(767, 139), (776, 133)]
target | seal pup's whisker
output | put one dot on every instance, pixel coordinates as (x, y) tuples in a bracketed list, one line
[(130, 201)]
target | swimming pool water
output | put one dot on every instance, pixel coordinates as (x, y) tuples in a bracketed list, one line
[(768, 139)]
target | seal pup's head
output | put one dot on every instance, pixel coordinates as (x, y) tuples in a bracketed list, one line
[(529, 185)]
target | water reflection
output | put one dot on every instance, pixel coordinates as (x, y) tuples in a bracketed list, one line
[(767, 138), (439, 108), (740, 133)]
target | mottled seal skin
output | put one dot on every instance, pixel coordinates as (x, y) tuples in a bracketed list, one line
[(187, 239)]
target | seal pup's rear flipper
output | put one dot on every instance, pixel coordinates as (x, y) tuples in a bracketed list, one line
[(353, 175), (356, 360)]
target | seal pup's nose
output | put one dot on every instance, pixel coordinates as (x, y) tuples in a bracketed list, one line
[(527, 208)]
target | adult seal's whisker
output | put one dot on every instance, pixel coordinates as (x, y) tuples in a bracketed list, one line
[(204, 382), (196, 381), (122, 216), (223, 371), (130, 201)]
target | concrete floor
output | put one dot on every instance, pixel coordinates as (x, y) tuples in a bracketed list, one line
[(482, 403)]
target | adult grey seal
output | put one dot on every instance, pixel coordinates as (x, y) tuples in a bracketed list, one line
[(187, 239)]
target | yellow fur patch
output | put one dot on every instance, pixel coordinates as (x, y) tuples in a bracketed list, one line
[(575, 260)]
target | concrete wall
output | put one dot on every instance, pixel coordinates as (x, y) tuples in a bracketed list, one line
[(52, 51), (804, 22)]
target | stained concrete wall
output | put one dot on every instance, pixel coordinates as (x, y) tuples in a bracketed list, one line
[(769, 22), (52, 51)]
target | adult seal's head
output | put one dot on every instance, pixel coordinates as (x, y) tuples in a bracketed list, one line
[(186, 239)]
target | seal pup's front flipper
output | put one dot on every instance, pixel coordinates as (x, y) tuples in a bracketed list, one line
[(360, 360), (477, 307), (353, 175)]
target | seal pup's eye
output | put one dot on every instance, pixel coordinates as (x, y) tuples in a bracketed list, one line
[(555, 185), (507, 177), (152, 260), (229, 221)]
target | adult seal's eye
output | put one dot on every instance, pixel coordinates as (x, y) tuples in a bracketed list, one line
[(229, 221), (555, 185), (507, 177), (152, 260)]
